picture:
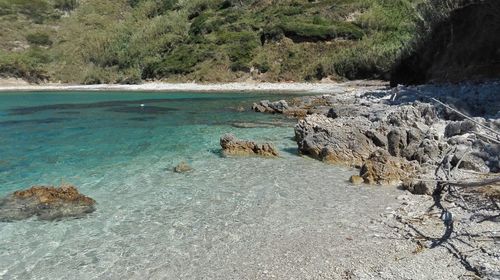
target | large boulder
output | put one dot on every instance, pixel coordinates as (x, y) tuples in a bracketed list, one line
[(383, 169), (234, 146), (338, 141), (46, 203)]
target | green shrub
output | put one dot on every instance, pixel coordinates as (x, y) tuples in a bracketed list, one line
[(22, 65), (39, 38), (65, 5), (321, 32), (180, 61)]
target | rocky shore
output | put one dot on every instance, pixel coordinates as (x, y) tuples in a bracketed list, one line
[(440, 141)]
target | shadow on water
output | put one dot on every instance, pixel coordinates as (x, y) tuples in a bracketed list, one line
[(35, 121), (149, 110), (143, 119), (292, 151), (68, 113), (106, 104)]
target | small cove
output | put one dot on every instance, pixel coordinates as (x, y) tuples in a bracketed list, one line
[(240, 218)]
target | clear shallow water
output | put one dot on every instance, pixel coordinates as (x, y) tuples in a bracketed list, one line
[(232, 218)]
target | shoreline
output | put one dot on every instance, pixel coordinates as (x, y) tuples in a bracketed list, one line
[(11, 85)]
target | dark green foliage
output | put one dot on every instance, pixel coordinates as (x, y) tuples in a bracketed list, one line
[(65, 5), (27, 65), (180, 61), (37, 10), (209, 40), (39, 38), (298, 31)]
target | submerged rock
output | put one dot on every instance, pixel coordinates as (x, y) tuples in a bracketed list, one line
[(47, 203), (234, 146), (182, 167)]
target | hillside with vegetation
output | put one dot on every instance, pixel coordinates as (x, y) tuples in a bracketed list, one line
[(130, 41), (461, 47)]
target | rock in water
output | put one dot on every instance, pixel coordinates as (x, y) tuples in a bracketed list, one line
[(182, 167), (265, 106), (47, 203), (234, 146)]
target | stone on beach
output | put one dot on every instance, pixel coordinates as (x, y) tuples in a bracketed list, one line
[(356, 180), (339, 141), (420, 187), (47, 203), (234, 146), (383, 169)]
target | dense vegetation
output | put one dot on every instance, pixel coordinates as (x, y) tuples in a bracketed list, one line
[(127, 41)]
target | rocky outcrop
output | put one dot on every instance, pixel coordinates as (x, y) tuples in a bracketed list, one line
[(389, 133), (236, 147), (265, 106), (339, 141), (46, 203)]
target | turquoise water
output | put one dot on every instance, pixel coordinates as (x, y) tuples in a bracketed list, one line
[(78, 137), (232, 218)]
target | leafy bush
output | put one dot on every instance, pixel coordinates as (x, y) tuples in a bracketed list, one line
[(39, 38), (185, 40), (65, 5), (321, 32), (180, 61), (22, 65)]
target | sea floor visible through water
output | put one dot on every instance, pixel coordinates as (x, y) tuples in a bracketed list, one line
[(230, 218)]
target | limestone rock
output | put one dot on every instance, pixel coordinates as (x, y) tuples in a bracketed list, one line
[(428, 151), (295, 112), (383, 169), (339, 141), (410, 114), (377, 138), (266, 106), (459, 128), (420, 187), (182, 167), (47, 203), (259, 108), (469, 159), (397, 141), (234, 146)]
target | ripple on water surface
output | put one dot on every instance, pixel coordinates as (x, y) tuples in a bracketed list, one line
[(230, 218)]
